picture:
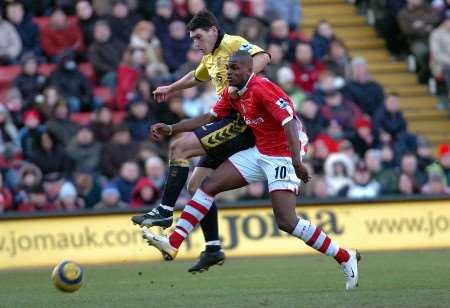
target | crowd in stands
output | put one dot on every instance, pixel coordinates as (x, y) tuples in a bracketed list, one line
[(77, 103), (420, 28)]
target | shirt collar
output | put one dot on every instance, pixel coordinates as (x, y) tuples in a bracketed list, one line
[(244, 88), (220, 36)]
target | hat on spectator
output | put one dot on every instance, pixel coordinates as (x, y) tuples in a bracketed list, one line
[(423, 142), (30, 114), (163, 3), (285, 75), (444, 149), (67, 190), (359, 61), (110, 189), (363, 122)]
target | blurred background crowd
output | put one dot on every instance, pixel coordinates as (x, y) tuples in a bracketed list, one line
[(76, 88)]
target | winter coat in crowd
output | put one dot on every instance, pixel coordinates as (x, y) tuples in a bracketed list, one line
[(30, 36), (10, 43), (392, 123), (136, 196), (9, 135), (105, 56), (55, 41), (368, 96), (440, 50)]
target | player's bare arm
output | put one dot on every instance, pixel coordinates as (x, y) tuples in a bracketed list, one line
[(291, 131), (160, 130), (260, 61), (187, 81)]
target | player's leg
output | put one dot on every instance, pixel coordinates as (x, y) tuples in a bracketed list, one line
[(283, 186), (180, 150), (226, 177), (240, 169)]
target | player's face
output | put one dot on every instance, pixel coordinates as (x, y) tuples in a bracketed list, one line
[(204, 40), (237, 73)]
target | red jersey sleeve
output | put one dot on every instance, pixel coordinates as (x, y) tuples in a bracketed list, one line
[(222, 107), (275, 102)]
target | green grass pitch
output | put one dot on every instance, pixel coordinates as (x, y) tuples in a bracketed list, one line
[(401, 279)]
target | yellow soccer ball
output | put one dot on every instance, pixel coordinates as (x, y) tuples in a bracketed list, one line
[(67, 276)]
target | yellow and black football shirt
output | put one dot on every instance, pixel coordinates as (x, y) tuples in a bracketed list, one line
[(213, 65)]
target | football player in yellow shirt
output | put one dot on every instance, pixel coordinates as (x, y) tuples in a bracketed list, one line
[(215, 142)]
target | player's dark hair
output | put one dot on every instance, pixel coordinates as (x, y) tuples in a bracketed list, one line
[(203, 20)]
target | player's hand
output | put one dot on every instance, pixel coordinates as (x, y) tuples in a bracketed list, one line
[(160, 130), (302, 172), (161, 93)]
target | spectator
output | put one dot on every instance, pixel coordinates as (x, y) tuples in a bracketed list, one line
[(29, 176), (285, 79), (409, 166), (155, 170), (126, 180), (440, 50), (105, 54), (195, 6), (87, 18), (390, 29), (307, 71), (289, 10), (129, 72), (120, 149), (144, 193), (337, 59), (322, 38), (416, 22), (143, 37), (139, 120), (61, 35), (84, 150), (436, 184), (363, 186), (424, 153), (253, 30), (364, 138), (88, 187), (30, 133), (10, 44), (444, 160), (9, 135), (387, 157), (192, 103), (344, 111), (10, 164), (163, 17), (193, 58), (327, 82), (51, 158), (280, 34), (311, 119), (6, 198), (276, 62), (176, 45), (389, 117), (68, 199), (25, 27), (103, 125), (322, 147), (231, 15), (339, 170), (71, 84), (37, 201), (335, 131), (47, 102), (361, 89), (122, 21), (320, 188), (385, 177), (110, 199), (29, 82), (406, 185), (61, 125)]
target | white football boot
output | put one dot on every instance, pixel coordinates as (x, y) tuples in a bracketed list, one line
[(161, 243), (350, 269)]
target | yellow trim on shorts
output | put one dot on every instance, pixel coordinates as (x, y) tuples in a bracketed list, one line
[(224, 134)]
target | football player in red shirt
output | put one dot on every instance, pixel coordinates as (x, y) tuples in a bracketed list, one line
[(276, 158)]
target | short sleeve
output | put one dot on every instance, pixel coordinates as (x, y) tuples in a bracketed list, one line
[(276, 102), (223, 106), (201, 72)]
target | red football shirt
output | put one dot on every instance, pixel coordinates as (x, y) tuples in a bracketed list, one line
[(265, 108)]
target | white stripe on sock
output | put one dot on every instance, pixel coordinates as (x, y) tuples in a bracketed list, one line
[(203, 198), (304, 230), (319, 240), (194, 212), (185, 225), (181, 232), (213, 243)]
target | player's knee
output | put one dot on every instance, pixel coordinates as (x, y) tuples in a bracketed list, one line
[(176, 149), (285, 224)]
